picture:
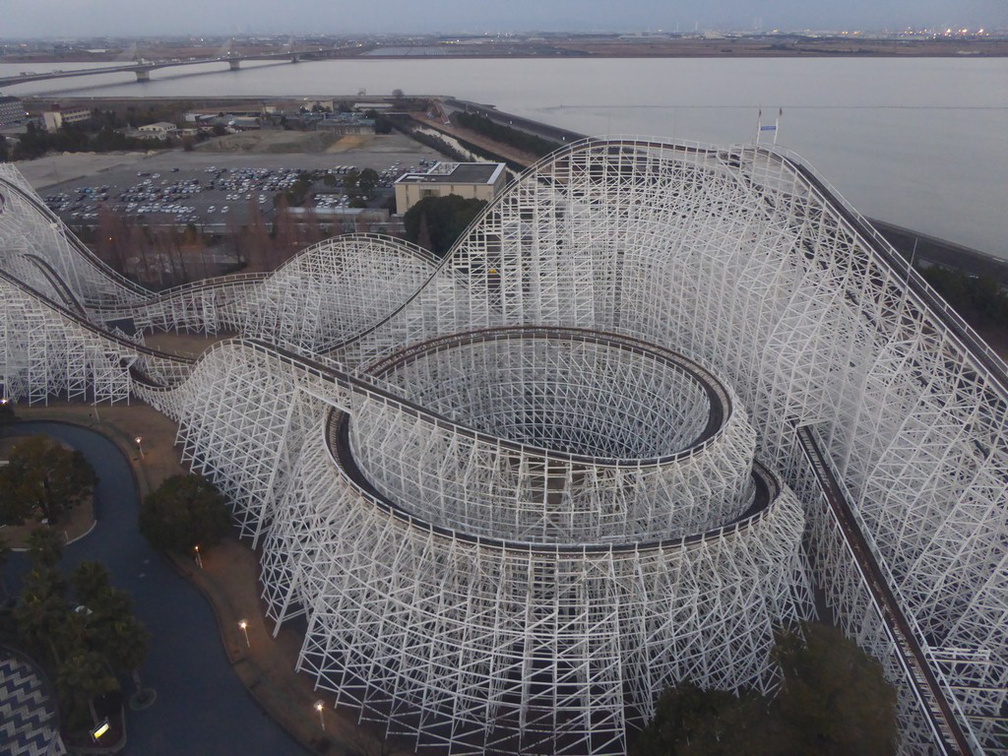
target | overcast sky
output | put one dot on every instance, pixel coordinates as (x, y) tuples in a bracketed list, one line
[(53, 18)]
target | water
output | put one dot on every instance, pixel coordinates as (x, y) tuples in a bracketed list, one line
[(919, 142)]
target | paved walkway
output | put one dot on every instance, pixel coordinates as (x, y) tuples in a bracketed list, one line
[(28, 720), (215, 695)]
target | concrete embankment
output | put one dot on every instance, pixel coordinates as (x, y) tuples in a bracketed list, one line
[(551, 133), (928, 250)]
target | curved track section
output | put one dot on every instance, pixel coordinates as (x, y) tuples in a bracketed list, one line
[(479, 643), (333, 292), (560, 642), (579, 437), (28, 226), (471, 497), (51, 350)]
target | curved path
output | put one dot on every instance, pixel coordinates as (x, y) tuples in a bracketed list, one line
[(202, 707)]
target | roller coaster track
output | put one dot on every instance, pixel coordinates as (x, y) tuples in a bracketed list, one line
[(374, 474), (919, 674)]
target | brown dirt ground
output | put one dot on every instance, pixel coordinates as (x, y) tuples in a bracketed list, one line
[(269, 141), (183, 344), (997, 339), (349, 142)]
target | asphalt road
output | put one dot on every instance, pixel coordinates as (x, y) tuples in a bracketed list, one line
[(201, 708)]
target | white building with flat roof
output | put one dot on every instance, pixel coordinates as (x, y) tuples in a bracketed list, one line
[(469, 180), (55, 118), (159, 130)]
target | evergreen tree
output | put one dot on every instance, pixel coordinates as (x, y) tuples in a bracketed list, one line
[(184, 512), (445, 217), (42, 479)]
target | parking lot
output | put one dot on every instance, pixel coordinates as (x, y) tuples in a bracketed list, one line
[(219, 190)]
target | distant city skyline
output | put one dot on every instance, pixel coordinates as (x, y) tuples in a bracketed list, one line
[(76, 18)]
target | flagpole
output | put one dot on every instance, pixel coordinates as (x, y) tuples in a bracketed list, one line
[(759, 125), (776, 128)]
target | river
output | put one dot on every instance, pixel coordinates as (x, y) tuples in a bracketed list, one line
[(918, 142)]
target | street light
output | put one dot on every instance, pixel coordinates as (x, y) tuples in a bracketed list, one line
[(243, 624), (321, 716), (100, 729), (138, 440), (199, 559)]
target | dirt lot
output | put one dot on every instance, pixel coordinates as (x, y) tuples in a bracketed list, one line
[(56, 169), (183, 344), (271, 142)]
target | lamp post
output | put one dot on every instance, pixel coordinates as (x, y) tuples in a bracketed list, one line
[(319, 706), (199, 559), (138, 440), (243, 624), (100, 729)]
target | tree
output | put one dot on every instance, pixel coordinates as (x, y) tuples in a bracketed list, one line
[(367, 182), (44, 547), (41, 612), (350, 183), (82, 676), (112, 628), (447, 218), (690, 720), (184, 512), (7, 416), (43, 479), (834, 698), (87, 641)]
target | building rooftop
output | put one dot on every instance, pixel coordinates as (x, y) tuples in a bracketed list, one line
[(456, 173)]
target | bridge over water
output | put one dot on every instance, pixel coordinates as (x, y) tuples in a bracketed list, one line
[(143, 69)]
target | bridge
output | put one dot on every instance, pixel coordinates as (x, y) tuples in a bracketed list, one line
[(143, 68)]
